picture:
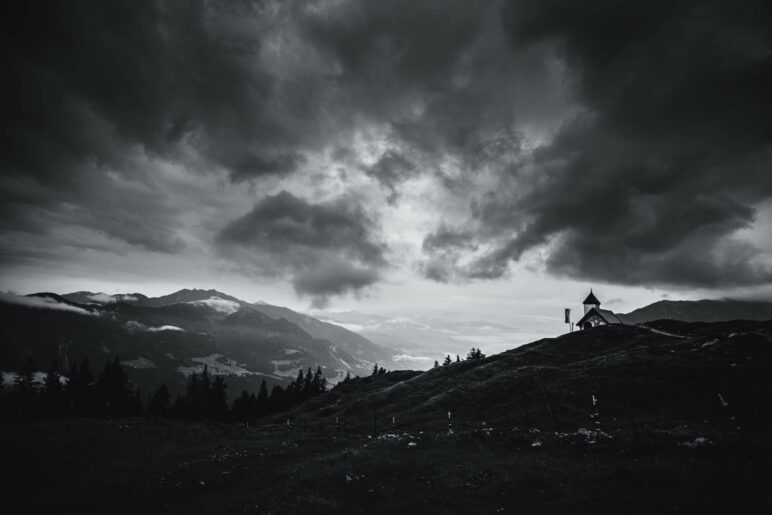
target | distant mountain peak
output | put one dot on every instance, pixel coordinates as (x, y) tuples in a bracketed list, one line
[(706, 310)]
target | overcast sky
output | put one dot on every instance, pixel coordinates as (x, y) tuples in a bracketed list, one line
[(466, 159)]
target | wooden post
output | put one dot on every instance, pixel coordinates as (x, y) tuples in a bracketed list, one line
[(547, 400), (375, 419), (527, 418), (630, 407)]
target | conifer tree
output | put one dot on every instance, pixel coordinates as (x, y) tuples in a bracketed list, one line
[(319, 381), (217, 407), (447, 361), (277, 400), (308, 385), (25, 391), (347, 378), (53, 393), (458, 360), (240, 410), (375, 369), (80, 395), (159, 403), (436, 364), (261, 402), (114, 392), (475, 354)]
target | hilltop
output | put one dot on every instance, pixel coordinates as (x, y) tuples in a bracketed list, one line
[(663, 441), (700, 311), (660, 374)]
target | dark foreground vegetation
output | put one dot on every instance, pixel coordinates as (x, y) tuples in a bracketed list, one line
[(670, 418), (172, 466)]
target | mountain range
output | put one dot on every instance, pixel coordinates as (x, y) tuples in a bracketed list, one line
[(165, 339), (700, 311)]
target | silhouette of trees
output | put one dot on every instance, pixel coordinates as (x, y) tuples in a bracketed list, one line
[(447, 361), (115, 396), (475, 354), (24, 394), (111, 394), (243, 409), (160, 403), (53, 402), (217, 405), (79, 393), (277, 400)]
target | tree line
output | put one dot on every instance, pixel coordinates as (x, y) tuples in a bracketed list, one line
[(473, 354), (111, 394)]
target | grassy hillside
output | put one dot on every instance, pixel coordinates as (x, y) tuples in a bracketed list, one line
[(700, 311), (663, 443), (632, 371)]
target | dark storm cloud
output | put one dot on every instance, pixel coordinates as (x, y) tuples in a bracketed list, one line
[(665, 162), (98, 89), (253, 165), (326, 248), (664, 155), (440, 76), (391, 170)]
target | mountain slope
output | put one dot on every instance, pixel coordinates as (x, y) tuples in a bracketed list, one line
[(665, 378), (701, 311), (348, 341), (164, 339)]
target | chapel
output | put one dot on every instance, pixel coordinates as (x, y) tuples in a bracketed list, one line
[(594, 316)]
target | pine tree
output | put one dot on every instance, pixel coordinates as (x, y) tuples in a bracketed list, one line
[(240, 410), (294, 392), (308, 385), (436, 364), (447, 361), (319, 382), (25, 391), (114, 392), (135, 407), (159, 403), (261, 402), (347, 378), (375, 369), (277, 401), (217, 407), (458, 360), (53, 393), (79, 391), (475, 354)]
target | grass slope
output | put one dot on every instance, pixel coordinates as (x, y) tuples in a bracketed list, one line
[(657, 378), (688, 455)]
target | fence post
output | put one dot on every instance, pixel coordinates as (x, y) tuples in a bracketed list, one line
[(547, 400), (630, 407), (375, 419)]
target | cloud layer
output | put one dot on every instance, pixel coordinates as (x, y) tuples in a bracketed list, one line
[(335, 143), (325, 248)]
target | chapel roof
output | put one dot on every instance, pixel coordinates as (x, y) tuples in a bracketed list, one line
[(591, 299)]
